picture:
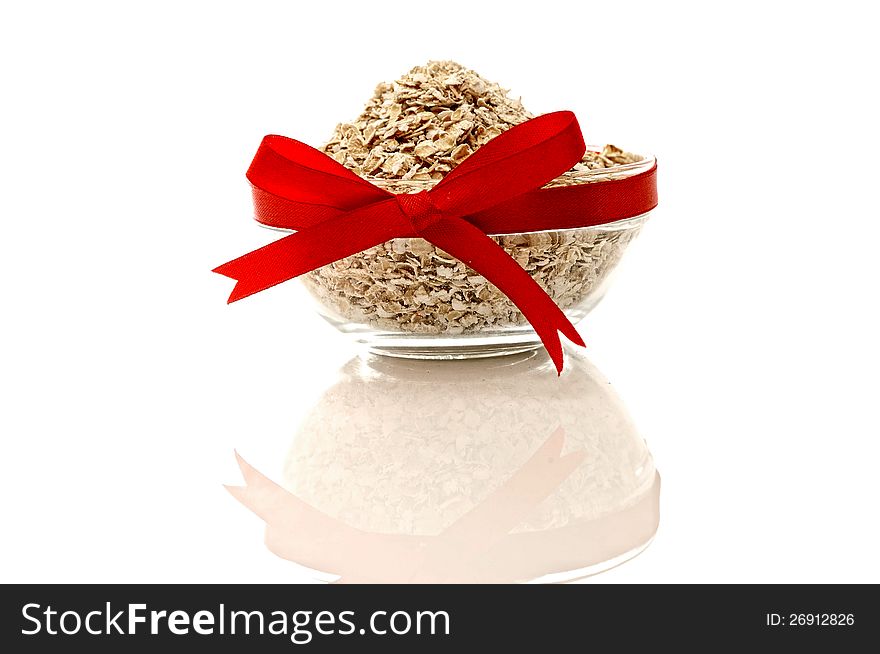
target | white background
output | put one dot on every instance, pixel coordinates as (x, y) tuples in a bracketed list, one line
[(741, 330)]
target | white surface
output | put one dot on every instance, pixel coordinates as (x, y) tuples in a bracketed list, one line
[(741, 331)]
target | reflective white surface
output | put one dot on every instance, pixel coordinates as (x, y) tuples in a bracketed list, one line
[(487, 470)]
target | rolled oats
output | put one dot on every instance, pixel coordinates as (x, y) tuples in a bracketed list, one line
[(410, 135)]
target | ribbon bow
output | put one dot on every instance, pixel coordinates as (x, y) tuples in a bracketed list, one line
[(496, 190)]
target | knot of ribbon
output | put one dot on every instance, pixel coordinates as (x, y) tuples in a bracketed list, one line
[(496, 190), (420, 209)]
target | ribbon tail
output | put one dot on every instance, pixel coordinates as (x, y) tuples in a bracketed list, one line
[(314, 247), (467, 243)]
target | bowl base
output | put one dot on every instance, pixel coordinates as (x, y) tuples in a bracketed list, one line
[(451, 354), (440, 347)]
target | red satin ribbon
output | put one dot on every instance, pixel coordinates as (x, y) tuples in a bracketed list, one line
[(495, 190)]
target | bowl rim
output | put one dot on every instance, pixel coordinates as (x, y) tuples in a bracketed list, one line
[(644, 164), (622, 224)]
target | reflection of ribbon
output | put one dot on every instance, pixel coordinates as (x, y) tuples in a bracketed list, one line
[(298, 532), (495, 190)]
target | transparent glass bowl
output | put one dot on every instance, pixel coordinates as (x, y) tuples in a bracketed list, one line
[(408, 298)]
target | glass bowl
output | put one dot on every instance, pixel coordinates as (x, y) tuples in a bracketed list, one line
[(409, 298)]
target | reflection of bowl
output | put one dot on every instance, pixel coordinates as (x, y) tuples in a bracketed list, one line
[(420, 449), (410, 298)]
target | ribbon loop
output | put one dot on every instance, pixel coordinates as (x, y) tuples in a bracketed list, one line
[(498, 189), (522, 159)]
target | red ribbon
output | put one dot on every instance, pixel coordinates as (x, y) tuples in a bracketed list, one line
[(495, 190)]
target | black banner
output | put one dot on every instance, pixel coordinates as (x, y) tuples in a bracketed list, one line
[(103, 618)]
